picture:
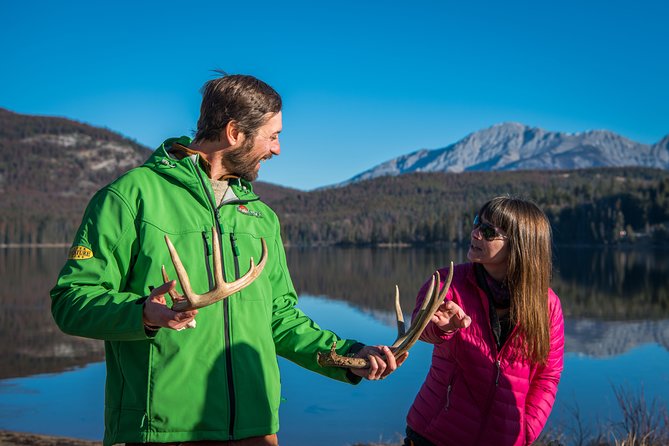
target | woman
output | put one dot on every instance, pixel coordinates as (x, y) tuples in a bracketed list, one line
[(498, 337)]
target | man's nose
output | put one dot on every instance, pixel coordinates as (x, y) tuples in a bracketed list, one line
[(476, 233), (276, 148)]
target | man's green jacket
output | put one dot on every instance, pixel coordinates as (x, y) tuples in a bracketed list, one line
[(219, 381)]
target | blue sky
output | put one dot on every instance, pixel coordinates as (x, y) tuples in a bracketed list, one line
[(362, 81)]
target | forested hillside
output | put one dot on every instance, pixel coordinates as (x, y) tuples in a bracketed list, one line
[(605, 205), (50, 167)]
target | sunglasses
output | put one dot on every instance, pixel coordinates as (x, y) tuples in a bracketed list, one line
[(488, 231)]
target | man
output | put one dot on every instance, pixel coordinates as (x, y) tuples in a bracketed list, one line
[(219, 381)]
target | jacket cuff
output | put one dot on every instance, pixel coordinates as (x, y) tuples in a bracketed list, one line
[(150, 330), (350, 376)]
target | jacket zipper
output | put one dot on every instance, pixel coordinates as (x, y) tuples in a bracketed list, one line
[(498, 366), (207, 253), (448, 397), (235, 251), (491, 397), (448, 392), (226, 314), (493, 388), (228, 356)]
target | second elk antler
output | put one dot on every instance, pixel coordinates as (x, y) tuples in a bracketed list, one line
[(405, 340), (222, 289)]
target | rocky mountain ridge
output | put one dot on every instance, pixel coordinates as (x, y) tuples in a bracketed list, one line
[(50, 167), (514, 146)]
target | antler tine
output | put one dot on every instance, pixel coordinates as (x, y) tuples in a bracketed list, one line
[(433, 299), (218, 263), (222, 289), (401, 327), (182, 275), (251, 275), (173, 292), (425, 310), (447, 286), (400, 339), (427, 302), (436, 299)]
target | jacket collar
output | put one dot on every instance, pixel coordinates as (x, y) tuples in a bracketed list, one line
[(187, 167)]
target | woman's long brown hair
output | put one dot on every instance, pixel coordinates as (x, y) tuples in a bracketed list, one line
[(529, 269)]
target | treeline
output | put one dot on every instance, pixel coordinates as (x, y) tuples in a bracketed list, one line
[(599, 206), (595, 206)]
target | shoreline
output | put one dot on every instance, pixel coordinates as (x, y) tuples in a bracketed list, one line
[(11, 438), (33, 245)]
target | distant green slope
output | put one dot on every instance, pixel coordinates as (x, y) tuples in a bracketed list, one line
[(605, 205)]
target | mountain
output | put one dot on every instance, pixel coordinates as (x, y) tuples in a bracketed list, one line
[(513, 146), (50, 168), (61, 157)]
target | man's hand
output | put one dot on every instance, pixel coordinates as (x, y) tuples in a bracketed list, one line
[(156, 313), (449, 317), (379, 367)]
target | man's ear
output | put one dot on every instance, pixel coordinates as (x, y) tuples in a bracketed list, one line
[(231, 133)]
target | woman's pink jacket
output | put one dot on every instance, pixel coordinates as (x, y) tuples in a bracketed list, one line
[(475, 395)]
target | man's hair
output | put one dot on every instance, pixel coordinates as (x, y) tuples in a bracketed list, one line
[(529, 271), (239, 98)]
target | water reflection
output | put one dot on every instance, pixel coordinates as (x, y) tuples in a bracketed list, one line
[(592, 283), (31, 342), (613, 299)]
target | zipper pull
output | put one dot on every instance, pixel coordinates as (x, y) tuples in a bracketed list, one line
[(205, 239), (448, 397), (499, 368), (233, 242)]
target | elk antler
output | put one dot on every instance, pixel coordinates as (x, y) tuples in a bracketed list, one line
[(404, 341), (222, 289)]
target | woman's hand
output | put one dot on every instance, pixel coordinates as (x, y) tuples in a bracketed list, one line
[(450, 317)]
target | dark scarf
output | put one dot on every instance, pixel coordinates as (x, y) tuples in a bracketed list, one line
[(499, 297)]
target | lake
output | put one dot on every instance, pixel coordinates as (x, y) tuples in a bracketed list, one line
[(616, 304)]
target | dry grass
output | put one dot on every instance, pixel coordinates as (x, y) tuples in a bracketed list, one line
[(22, 439)]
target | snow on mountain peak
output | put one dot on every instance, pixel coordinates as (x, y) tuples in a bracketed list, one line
[(515, 146)]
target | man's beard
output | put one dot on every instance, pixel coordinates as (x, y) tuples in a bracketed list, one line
[(241, 162)]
